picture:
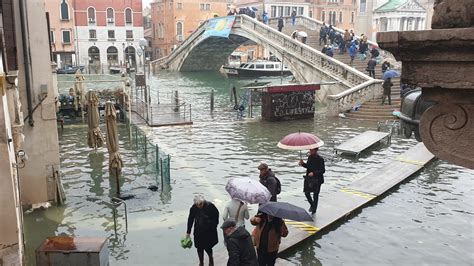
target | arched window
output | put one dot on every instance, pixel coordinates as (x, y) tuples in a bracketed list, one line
[(112, 55), (64, 10), (340, 17), (323, 16), (128, 16), (110, 15), (91, 14), (179, 28)]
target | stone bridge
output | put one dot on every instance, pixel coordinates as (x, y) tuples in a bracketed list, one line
[(199, 52)]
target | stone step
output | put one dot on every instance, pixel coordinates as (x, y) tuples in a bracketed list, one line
[(348, 116)]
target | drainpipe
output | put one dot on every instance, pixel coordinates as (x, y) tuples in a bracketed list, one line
[(27, 58)]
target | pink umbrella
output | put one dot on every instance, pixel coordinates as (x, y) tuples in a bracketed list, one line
[(300, 141)]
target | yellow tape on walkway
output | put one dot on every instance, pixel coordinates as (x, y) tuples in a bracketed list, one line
[(358, 193), (303, 226)]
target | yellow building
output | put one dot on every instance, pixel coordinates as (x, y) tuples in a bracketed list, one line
[(174, 20), (339, 13)]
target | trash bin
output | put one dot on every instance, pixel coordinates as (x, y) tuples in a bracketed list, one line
[(73, 251)]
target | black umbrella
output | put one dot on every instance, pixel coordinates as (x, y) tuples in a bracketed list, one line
[(285, 210)]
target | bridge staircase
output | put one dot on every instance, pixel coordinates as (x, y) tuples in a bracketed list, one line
[(369, 110)]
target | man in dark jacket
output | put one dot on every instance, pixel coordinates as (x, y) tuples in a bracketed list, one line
[(280, 23), (371, 67), (314, 178), (239, 245), (267, 178)]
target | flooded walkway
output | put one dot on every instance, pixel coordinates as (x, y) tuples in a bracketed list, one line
[(219, 146)]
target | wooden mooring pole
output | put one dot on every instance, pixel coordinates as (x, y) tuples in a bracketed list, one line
[(212, 101)]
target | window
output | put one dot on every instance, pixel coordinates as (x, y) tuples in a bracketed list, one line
[(92, 34), (128, 16), (280, 11), (287, 10), (51, 35), (179, 28), (179, 6), (311, 13), (273, 11), (323, 16), (111, 34), (340, 17), (205, 6), (354, 2), (270, 66), (91, 14), (300, 11), (66, 36), (129, 34), (251, 66), (260, 66), (363, 6), (64, 10), (352, 17), (110, 15)]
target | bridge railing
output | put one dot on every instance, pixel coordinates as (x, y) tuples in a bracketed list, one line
[(347, 75)]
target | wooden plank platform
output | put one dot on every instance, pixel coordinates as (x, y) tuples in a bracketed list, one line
[(361, 142), (337, 206)]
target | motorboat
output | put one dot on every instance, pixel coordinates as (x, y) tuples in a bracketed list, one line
[(258, 68)]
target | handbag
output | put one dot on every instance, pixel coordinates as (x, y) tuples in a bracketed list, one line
[(310, 181)]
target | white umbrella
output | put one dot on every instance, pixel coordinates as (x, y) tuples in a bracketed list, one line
[(248, 190)]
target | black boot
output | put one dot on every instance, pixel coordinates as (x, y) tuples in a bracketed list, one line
[(211, 261)]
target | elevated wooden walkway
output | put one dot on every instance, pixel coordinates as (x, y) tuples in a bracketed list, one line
[(159, 115), (342, 203), (359, 143)]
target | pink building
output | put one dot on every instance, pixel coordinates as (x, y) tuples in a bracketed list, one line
[(61, 21), (108, 33)]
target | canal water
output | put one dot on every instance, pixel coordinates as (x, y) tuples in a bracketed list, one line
[(426, 220)]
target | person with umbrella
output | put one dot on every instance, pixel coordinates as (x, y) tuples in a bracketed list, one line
[(239, 245), (267, 236), (205, 217), (268, 179), (315, 170)]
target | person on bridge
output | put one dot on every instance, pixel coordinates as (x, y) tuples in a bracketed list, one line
[(371, 67), (387, 91), (239, 245), (352, 52), (314, 178), (323, 35), (267, 178), (281, 23), (205, 217), (347, 39), (293, 17), (303, 35), (329, 51), (265, 17)]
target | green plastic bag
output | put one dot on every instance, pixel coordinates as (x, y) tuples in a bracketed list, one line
[(186, 242)]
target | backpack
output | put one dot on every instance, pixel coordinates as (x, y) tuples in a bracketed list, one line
[(278, 189)]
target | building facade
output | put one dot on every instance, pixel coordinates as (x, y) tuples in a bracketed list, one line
[(276, 8), (174, 20), (390, 15), (29, 146), (62, 34), (108, 33), (339, 13)]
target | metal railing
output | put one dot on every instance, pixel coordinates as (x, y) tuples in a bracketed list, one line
[(114, 204)]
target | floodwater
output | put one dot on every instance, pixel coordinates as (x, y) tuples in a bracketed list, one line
[(426, 220)]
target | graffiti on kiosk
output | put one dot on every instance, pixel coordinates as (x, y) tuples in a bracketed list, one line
[(295, 103)]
